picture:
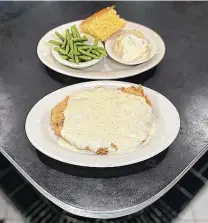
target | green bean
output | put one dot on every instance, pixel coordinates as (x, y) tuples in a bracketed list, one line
[(63, 46), (70, 57), (70, 54), (76, 30), (95, 42), (68, 36), (75, 52), (78, 54), (67, 48), (74, 34), (81, 39), (56, 49), (75, 48), (84, 47), (95, 53), (65, 57), (80, 44), (89, 50), (97, 47), (85, 58), (60, 50), (60, 36), (72, 60), (76, 59), (88, 54), (102, 52), (55, 42), (71, 44)]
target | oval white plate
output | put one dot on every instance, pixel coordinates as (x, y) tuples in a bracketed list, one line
[(107, 68), (80, 65), (40, 134), (109, 43)]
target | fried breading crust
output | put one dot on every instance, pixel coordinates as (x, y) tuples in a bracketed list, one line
[(57, 116), (136, 91), (57, 113)]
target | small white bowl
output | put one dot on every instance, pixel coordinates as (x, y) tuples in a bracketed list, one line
[(109, 43), (80, 65)]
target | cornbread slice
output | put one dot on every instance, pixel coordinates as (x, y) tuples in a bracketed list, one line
[(103, 24), (57, 114)]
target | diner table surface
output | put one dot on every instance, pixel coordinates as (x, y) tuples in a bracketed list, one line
[(182, 77)]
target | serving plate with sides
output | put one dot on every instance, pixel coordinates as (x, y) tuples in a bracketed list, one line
[(40, 134), (107, 68)]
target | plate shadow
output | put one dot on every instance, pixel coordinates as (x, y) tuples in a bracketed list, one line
[(91, 172)]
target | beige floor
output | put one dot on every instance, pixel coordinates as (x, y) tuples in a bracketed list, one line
[(8, 211)]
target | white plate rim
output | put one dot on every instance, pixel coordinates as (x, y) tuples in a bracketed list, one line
[(30, 119), (134, 70)]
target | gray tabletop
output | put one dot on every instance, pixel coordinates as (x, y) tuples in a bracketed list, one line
[(182, 77)]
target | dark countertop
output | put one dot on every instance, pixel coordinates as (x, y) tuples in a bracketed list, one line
[(181, 77)]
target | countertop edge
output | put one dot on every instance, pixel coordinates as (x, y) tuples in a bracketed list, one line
[(98, 214)]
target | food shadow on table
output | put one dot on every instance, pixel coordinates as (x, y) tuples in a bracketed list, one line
[(68, 80), (91, 172)]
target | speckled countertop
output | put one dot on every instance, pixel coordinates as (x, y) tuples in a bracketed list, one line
[(181, 77)]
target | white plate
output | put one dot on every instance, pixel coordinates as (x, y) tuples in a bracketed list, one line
[(109, 44), (107, 68), (80, 65), (40, 134)]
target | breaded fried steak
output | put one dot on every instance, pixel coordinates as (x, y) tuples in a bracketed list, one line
[(77, 130)]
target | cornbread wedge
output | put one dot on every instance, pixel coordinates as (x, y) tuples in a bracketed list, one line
[(103, 24), (57, 114)]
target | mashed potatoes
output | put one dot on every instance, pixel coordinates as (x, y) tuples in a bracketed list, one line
[(130, 47), (106, 120)]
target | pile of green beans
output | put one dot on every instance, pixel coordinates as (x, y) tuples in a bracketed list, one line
[(72, 47)]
